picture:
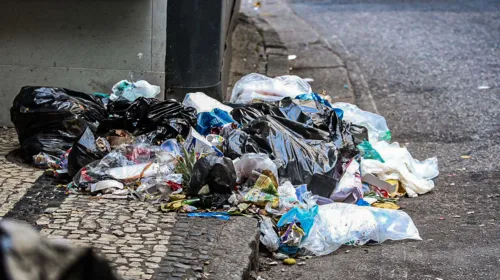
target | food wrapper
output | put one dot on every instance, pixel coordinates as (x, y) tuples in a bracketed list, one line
[(260, 198)]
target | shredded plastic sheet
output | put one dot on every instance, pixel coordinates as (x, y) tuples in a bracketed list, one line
[(416, 176), (338, 224), (256, 87)]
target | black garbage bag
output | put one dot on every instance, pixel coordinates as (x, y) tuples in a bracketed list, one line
[(118, 107), (50, 120), (237, 143), (214, 200), (304, 150), (322, 185), (308, 112), (128, 118), (170, 114), (85, 151), (157, 119), (217, 172), (315, 114), (244, 114)]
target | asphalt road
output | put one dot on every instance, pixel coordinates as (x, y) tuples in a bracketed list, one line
[(433, 68)]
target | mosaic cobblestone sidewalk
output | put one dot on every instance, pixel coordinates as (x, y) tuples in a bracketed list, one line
[(15, 180), (138, 240)]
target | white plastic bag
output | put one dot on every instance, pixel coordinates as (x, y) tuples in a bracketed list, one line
[(268, 237), (261, 88), (338, 224), (203, 103), (349, 188), (400, 165), (131, 91), (250, 162), (376, 124)]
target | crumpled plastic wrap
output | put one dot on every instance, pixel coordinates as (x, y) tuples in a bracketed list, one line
[(416, 176), (376, 124), (268, 235), (250, 162), (257, 87), (338, 224), (133, 90)]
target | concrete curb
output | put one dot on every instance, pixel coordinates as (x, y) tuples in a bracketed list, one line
[(275, 50), (328, 63), (207, 248), (236, 252), (257, 48), (315, 58)]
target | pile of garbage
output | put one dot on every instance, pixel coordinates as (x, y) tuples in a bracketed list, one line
[(317, 175)]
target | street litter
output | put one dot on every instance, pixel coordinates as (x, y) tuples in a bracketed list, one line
[(317, 175)]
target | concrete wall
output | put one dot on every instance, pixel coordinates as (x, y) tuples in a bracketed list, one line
[(84, 45)]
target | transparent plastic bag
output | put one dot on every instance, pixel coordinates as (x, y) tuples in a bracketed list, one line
[(287, 199), (259, 87), (203, 103), (338, 224), (400, 165), (133, 90), (376, 124), (269, 237), (253, 162)]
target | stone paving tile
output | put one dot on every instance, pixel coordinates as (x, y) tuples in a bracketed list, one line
[(191, 245), (133, 236), (15, 180), (8, 140), (42, 196)]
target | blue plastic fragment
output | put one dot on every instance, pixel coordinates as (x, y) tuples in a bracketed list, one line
[(218, 215), (362, 202), (213, 119)]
